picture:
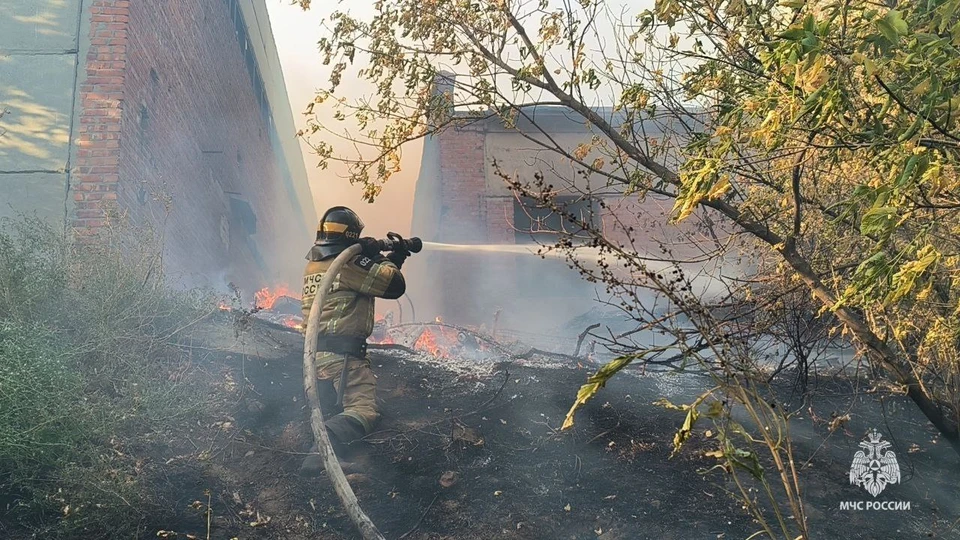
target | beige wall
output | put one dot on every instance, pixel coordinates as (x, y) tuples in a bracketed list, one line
[(517, 154)]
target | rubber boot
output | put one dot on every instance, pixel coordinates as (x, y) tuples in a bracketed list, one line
[(312, 465), (342, 430)]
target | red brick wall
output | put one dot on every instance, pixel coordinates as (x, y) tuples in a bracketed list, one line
[(463, 188), (499, 220), (101, 98), (170, 124), (195, 132), (462, 205)]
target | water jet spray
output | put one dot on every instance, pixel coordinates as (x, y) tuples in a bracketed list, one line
[(590, 256)]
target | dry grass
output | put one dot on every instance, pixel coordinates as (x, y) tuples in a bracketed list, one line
[(86, 377)]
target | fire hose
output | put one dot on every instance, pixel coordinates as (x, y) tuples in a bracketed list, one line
[(347, 497), (331, 464)]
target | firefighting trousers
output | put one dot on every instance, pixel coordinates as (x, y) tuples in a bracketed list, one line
[(360, 392)]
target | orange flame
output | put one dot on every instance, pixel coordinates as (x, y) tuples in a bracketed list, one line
[(440, 342), (292, 322), (265, 298), (428, 342), (223, 307)]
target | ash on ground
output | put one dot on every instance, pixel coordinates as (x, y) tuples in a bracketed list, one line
[(473, 450)]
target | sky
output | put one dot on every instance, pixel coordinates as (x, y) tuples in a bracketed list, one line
[(296, 33)]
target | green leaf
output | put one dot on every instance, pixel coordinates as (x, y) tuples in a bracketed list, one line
[(888, 31), (892, 26), (748, 461), (904, 281), (683, 434), (869, 280), (714, 409), (908, 171), (878, 221), (693, 414), (794, 33), (926, 38), (896, 20), (811, 41)]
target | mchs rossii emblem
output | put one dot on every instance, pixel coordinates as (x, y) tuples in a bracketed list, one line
[(874, 467)]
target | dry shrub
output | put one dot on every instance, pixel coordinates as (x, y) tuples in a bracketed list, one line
[(87, 348)]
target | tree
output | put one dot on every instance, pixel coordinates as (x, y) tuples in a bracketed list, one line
[(826, 130)]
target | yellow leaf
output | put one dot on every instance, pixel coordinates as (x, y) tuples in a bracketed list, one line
[(906, 278), (597, 381), (720, 188)]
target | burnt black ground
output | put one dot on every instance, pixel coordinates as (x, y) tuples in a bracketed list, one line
[(516, 475)]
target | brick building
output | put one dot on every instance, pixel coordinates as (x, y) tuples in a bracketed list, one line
[(462, 198), (172, 113)]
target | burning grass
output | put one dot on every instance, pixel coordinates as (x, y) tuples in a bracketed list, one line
[(437, 340), (267, 297), (89, 371)]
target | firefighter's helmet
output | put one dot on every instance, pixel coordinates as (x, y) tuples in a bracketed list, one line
[(339, 228)]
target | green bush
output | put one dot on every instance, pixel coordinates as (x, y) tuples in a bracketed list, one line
[(87, 345)]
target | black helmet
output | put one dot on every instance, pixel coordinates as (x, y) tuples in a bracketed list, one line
[(339, 228)]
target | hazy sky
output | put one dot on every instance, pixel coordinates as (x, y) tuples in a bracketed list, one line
[(296, 33)]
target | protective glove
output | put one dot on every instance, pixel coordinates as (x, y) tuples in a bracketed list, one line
[(397, 257), (370, 246)]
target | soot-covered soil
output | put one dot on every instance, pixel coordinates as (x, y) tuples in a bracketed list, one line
[(466, 453)]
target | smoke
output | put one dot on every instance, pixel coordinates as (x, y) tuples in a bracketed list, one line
[(519, 292), (304, 73)]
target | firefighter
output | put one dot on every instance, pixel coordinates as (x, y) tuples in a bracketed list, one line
[(346, 321)]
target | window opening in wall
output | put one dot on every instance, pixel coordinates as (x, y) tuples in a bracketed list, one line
[(242, 215)]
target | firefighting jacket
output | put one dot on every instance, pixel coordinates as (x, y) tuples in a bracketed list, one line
[(348, 311)]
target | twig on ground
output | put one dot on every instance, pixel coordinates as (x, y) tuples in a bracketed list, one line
[(582, 336), (209, 513), (419, 521), (604, 433)]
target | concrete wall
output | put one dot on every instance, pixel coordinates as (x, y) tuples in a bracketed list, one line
[(39, 41), (171, 113), (264, 47)]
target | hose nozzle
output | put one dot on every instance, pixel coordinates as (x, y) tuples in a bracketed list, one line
[(395, 242)]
